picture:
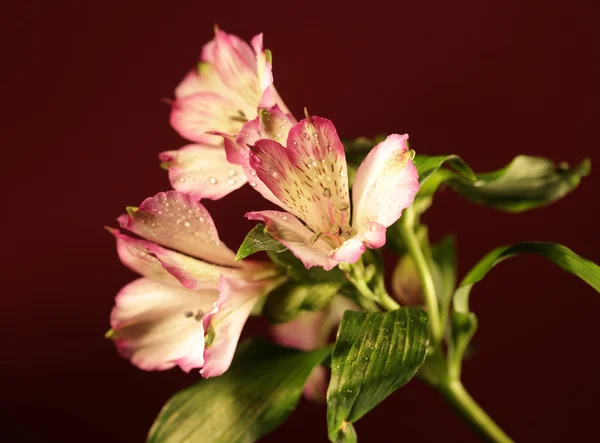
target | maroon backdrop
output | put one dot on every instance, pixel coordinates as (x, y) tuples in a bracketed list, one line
[(83, 122)]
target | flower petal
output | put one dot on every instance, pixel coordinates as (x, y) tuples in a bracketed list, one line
[(194, 116), (202, 171), (158, 326), (310, 176), (225, 322), (350, 251), (271, 124), (298, 238), (134, 254), (386, 183), (169, 267), (177, 221)]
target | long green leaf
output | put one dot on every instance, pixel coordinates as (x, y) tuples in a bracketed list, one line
[(259, 391), (375, 354), (560, 255), (258, 240), (526, 183)]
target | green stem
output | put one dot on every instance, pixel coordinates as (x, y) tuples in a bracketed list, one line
[(407, 225), (456, 394)]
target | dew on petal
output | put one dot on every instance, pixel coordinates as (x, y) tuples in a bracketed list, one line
[(231, 181), (212, 180), (231, 172), (186, 224), (252, 183)]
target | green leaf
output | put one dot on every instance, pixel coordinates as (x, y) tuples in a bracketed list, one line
[(444, 259), (287, 301), (464, 322), (297, 271), (526, 183), (375, 354), (259, 392), (560, 255), (357, 149), (258, 240), (428, 165)]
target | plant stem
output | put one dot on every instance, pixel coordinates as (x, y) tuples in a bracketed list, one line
[(458, 397), (407, 225)]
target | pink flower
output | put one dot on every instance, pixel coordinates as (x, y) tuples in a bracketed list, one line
[(190, 285), (309, 180), (232, 81)]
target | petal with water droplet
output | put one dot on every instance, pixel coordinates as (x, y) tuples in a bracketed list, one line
[(202, 171), (311, 177), (162, 219)]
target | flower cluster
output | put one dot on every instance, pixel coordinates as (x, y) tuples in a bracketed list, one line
[(193, 298)]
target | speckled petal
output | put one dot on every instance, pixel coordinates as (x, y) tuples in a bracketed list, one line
[(310, 176), (177, 221), (202, 171)]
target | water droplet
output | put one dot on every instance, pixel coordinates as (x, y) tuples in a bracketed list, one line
[(186, 224), (231, 172), (231, 181), (305, 135), (274, 174), (201, 219), (343, 174), (278, 135), (253, 184), (316, 135), (212, 180), (329, 148), (181, 180), (285, 217), (253, 172), (294, 142), (395, 152)]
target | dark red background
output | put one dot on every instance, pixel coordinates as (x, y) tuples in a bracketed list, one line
[(83, 122)]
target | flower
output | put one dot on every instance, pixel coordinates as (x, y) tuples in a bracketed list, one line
[(191, 303), (310, 331), (232, 80), (309, 180)]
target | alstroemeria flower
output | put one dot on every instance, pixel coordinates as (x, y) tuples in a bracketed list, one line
[(308, 179), (232, 81), (191, 287), (310, 331)]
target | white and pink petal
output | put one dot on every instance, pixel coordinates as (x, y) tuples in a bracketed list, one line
[(225, 322), (157, 326), (202, 171), (385, 184)]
